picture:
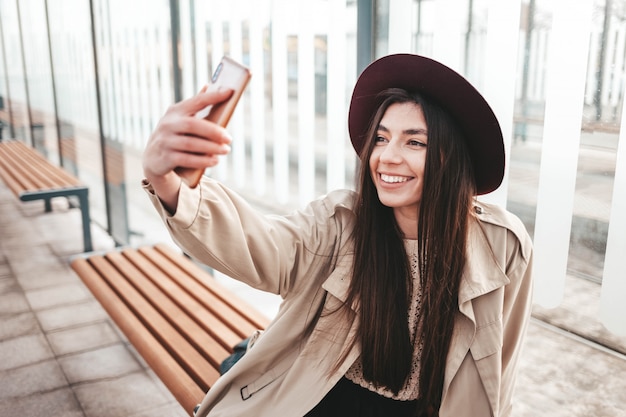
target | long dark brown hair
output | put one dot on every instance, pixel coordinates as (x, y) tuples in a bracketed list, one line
[(382, 283)]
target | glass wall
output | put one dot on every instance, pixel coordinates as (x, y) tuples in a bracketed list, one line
[(86, 82)]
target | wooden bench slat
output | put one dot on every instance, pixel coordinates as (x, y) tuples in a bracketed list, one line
[(30, 176), (146, 280), (173, 282), (210, 299), (197, 366), (5, 172), (14, 172), (180, 384), (237, 304), (46, 176)]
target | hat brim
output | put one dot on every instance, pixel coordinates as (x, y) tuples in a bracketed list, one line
[(448, 89)]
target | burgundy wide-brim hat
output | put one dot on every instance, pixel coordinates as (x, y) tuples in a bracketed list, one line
[(449, 90)]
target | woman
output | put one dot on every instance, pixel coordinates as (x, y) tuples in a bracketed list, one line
[(407, 297)]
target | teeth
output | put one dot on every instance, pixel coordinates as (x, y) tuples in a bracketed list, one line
[(390, 178)]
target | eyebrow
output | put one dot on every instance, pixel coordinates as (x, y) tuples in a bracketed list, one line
[(407, 131)]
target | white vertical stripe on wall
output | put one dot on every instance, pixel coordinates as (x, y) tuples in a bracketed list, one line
[(125, 86), (280, 109), (618, 68), (157, 106), (144, 100), (336, 97), (133, 92), (235, 126), (565, 88), (400, 23), (499, 75), (447, 36), (612, 306), (608, 69), (186, 50), (258, 19), (202, 13), (594, 46), (167, 95), (306, 103), (217, 51), (118, 97)]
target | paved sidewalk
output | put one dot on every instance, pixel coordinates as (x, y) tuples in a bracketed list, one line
[(61, 355)]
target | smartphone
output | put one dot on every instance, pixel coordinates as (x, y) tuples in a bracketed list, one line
[(230, 74)]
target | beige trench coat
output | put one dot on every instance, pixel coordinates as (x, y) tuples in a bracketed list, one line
[(304, 255)]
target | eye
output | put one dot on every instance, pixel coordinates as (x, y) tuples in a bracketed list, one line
[(417, 143), (380, 139)]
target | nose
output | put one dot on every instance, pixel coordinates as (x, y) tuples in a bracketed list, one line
[(391, 154)]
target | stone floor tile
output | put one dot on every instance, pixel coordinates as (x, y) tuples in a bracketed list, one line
[(24, 350), (43, 273), (82, 338), (31, 379), (71, 315), (13, 303), (33, 248), (58, 403), (120, 397), (46, 278), (565, 377), (57, 296), (107, 362), (21, 324), (19, 236), (9, 284), (5, 268), (170, 410)]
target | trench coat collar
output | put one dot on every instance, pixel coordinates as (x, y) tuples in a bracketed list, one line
[(482, 273)]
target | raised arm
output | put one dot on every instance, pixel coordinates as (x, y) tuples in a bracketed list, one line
[(181, 139)]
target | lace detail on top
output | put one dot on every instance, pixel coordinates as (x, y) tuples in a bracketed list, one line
[(410, 390)]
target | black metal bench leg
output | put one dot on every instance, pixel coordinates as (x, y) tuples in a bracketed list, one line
[(83, 198), (48, 204)]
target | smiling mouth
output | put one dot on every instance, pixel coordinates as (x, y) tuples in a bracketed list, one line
[(393, 179)]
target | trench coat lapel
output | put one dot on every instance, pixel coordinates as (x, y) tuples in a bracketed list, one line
[(482, 274)]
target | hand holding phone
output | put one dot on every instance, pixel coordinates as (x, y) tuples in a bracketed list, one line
[(231, 75)]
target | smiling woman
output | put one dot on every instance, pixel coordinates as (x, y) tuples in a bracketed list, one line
[(407, 297)]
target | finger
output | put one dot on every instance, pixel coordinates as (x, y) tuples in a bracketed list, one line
[(199, 146), (193, 126), (205, 98), (186, 151), (196, 161)]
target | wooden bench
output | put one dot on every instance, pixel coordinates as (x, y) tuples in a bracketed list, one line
[(30, 177), (181, 321)]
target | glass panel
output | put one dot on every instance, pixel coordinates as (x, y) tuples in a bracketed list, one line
[(72, 54), (134, 67), (39, 78), (15, 103)]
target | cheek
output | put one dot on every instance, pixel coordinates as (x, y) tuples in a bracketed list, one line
[(373, 163)]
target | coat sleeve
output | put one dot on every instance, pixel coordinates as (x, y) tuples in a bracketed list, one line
[(219, 228), (515, 315)]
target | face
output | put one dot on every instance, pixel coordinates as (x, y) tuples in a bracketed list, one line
[(398, 159)]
